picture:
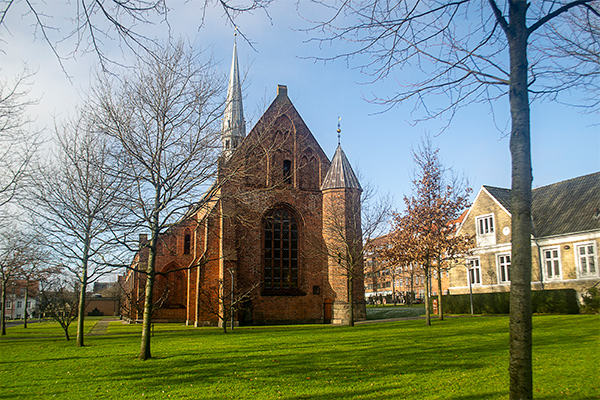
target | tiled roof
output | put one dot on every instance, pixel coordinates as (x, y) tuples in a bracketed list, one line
[(340, 174), (565, 207), (500, 194)]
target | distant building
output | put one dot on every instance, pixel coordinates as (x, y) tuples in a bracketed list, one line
[(564, 242), (386, 282), (100, 287), (16, 302)]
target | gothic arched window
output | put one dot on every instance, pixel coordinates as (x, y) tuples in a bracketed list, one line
[(287, 171), (187, 242), (281, 251)]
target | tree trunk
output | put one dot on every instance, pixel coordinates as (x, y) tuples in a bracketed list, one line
[(145, 353), (3, 311), (520, 363), (66, 331), (351, 298), (440, 309), (25, 301), (82, 291), (427, 312)]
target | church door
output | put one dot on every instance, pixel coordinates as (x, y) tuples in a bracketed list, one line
[(328, 311)]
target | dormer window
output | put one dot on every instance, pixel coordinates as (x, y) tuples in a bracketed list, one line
[(485, 230), (485, 225), (287, 171)]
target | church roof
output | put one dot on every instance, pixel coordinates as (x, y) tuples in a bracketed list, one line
[(340, 174), (564, 207)]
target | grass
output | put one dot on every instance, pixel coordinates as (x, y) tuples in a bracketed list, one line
[(460, 358)]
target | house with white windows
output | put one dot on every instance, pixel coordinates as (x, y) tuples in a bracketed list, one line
[(564, 243)]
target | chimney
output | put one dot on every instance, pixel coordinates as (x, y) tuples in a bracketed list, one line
[(281, 90)]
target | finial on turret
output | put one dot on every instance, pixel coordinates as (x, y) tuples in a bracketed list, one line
[(339, 130)]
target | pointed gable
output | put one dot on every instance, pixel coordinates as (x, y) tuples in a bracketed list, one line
[(340, 174), (279, 147)]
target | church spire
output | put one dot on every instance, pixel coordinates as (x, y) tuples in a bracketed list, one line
[(234, 125)]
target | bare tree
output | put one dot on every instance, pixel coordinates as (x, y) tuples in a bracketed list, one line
[(88, 25), (34, 270), (60, 299), (161, 119), (77, 202), (507, 48), (14, 254), (230, 298), (17, 144)]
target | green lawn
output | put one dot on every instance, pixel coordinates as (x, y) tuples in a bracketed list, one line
[(460, 358)]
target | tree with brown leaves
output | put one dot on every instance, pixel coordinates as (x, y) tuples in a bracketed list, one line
[(423, 233)]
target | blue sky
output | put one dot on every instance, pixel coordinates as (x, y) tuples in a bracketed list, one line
[(565, 142)]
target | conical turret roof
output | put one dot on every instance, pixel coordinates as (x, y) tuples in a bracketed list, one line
[(340, 174)]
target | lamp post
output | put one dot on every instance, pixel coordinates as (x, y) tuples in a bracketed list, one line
[(467, 265)]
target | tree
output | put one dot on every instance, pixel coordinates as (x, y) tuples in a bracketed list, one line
[(17, 145), (423, 234), (14, 254), (60, 299), (33, 271), (161, 119), (230, 299), (508, 48), (77, 202), (94, 23)]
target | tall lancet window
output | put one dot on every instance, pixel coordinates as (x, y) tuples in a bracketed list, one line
[(281, 251), (287, 171)]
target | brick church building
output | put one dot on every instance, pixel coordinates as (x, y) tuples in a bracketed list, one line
[(276, 235)]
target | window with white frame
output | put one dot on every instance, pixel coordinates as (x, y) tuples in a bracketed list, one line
[(551, 258), (586, 259), (19, 304), (474, 271), (485, 230), (504, 268), (485, 225), (8, 304)]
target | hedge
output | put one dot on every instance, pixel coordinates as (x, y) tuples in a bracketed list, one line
[(561, 301)]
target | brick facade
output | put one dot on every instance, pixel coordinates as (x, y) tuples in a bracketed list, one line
[(276, 171)]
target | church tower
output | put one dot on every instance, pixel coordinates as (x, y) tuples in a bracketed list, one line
[(342, 234), (233, 129)]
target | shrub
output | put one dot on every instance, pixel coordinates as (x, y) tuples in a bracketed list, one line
[(591, 301), (562, 301)]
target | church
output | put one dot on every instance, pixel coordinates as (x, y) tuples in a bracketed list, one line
[(276, 240)]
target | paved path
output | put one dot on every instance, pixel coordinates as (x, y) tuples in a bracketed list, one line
[(100, 327)]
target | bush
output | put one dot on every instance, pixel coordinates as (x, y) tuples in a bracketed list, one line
[(563, 301), (591, 301)]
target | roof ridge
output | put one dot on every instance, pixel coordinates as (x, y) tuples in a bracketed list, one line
[(567, 180)]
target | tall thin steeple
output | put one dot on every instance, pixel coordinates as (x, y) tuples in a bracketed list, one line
[(233, 129)]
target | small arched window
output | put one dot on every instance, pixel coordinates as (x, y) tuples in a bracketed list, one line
[(281, 251), (287, 171), (187, 243)]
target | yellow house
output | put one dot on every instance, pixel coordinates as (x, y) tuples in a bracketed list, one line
[(564, 243)]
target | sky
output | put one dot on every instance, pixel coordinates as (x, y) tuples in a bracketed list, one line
[(565, 141)]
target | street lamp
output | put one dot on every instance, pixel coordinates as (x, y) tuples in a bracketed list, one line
[(467, 265)]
